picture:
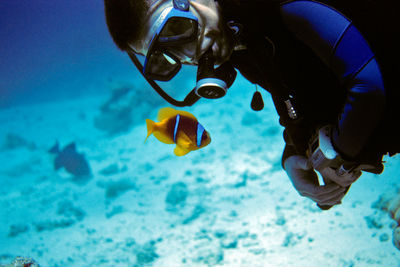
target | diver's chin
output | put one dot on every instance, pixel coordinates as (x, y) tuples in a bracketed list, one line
[(223, 57), (222, 53)]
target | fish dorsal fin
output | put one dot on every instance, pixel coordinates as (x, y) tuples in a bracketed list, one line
[(168, 112), (180, 151)]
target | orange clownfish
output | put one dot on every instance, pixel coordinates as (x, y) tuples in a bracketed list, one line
[(180, 128)]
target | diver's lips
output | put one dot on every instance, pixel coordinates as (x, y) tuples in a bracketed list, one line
[(221, 50), (218, 53)]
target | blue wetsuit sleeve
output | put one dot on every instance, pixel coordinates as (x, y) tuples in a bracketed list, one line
[(344, 50)]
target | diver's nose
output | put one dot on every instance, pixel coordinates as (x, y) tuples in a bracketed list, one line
[(189, 51), (186, 52), (207, 41)]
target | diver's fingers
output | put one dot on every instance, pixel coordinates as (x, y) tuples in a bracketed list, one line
[(301, 162), (344, 180), (333, 200), (305, 180), (320, 191), (327, 193)]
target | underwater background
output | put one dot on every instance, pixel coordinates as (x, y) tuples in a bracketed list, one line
[(63, 81)]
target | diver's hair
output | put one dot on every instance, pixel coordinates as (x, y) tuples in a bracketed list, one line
[(125, 20)]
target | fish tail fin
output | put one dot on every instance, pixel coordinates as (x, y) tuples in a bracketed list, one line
[(150, 128)]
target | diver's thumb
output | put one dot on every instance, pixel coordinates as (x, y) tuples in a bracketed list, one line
[(304, 163), (301, 162), (150, 128)]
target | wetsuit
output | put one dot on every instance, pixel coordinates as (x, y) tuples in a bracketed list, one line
[(313, 55)]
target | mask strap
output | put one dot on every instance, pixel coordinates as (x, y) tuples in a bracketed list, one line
[(189, 100)]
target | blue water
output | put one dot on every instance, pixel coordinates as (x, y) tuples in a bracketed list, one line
[(228, 204), (50, 49)]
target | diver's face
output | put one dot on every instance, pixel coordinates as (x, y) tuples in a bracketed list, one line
[(213, 33)]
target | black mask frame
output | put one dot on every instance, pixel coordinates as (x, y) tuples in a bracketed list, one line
[(192, 97), (189, 100)]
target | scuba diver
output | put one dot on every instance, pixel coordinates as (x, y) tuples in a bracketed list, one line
[(330, 67)]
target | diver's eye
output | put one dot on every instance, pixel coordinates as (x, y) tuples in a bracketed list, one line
[(179, 29)]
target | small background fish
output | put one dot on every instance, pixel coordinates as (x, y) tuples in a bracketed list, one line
[(180, 128), (75, 163)]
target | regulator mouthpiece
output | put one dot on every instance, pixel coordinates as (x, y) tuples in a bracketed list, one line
[(213, 83)]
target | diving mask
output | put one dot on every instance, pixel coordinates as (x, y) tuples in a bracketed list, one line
[(175, 28)]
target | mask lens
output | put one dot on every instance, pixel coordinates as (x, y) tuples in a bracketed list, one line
[(178, 29), (162, 60), (161, 66)]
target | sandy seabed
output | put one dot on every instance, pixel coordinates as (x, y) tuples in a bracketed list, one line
[(229, 204)]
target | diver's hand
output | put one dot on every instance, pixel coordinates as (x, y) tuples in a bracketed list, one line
[(345, 179), (305, 180)]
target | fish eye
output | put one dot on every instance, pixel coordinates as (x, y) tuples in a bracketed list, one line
[(205, 136)]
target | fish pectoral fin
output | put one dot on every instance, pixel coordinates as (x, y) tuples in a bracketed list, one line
[(183, 140), (181, 151), (183, 144)]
